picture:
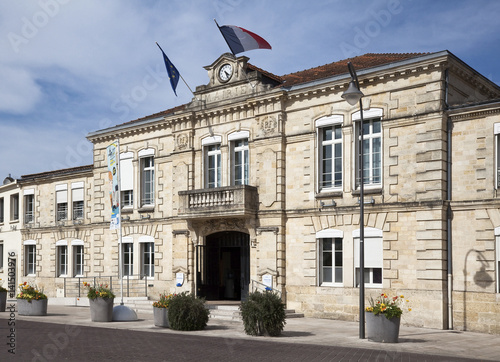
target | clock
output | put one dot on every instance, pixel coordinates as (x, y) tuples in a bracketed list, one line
[(225, 72)]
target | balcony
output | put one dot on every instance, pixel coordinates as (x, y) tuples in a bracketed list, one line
[(229, 201)]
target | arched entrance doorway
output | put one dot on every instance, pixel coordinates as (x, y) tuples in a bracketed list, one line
[(223, 266)]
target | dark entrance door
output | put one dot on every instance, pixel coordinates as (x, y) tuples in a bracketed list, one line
[(223, 266)]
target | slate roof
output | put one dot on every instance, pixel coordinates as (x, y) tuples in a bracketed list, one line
[(324, 71), (65, 171), (365, 61)]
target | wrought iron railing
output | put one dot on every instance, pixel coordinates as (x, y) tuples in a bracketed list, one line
[(261, 287), (133, 285)]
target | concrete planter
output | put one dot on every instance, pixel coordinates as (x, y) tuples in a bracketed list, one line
[(3, 301), (161, 317), (33, 307), (101, 309), (381, 329)]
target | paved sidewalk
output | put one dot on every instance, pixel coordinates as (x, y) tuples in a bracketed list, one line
[(307, 331)]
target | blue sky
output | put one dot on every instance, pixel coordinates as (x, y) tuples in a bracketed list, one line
[(69, 67)]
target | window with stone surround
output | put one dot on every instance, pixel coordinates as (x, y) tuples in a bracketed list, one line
[(372, 147), (29, 206), (1, 210), (14, 207), (239, 157), (373, 257), (1, 255), (78, 259), (330, 165), (61, 202), (127, 180), (77, 198), (331, 257), (62, 260), (29, 258), (147, 257), (147, 179), (212, 160), (128, 257)]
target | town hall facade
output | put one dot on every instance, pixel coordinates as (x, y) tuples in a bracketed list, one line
[(255, 182)]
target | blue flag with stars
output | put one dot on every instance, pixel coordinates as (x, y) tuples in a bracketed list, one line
[(173, 73)]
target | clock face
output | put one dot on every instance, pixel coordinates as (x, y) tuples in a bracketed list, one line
[(225, 72)]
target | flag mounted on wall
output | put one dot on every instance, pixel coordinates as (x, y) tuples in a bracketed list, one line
[(241, 40), (173, 73)]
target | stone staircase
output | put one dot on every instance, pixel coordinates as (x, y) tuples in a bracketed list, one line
[(224, 311)]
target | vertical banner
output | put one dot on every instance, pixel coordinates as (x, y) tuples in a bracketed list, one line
[(114, 194)]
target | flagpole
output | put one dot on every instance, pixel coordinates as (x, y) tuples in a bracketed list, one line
[(229, 46), (120, 256), (224, 38), (187, 85)]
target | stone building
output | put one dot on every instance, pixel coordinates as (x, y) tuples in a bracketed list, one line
[(255, 181)]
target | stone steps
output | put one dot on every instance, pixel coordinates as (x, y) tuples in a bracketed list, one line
[(217, 311)]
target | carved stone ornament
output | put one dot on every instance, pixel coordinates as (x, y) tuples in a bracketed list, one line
[(182, 141), (267, 125), (211, 226)]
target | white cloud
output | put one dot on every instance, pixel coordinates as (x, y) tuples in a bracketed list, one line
[(18, 91)]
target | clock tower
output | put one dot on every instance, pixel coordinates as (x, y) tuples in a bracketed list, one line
[(231, 78)]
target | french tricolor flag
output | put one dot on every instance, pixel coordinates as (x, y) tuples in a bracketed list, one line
[(241, 40)]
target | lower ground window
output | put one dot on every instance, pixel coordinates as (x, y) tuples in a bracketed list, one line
[(147, 259), (373, 257)]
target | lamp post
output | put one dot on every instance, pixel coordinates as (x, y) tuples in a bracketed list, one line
[(353, 95)]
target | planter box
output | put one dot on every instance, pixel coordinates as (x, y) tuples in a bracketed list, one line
[(161, 317), (381, 329), (33, 307), (3, 301), (101, 309)]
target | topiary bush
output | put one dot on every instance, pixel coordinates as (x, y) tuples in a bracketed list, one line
[(263, 313), (187, 312)]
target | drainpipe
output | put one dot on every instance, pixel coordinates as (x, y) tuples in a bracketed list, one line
[(449, 127)]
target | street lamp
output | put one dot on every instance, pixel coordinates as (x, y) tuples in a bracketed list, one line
[(353, 95)]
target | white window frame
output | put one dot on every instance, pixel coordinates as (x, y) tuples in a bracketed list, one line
[(61, 202), (127, 180), (369, 115), (62, 258), (147, 172), (29, 206), (78, 257), (147, 248), (29, 250), (2, 213), (77, 199), (374, 258), (212, 152), (127, 242), (14, 207), (334, 235), (243, 151), (323, 123)]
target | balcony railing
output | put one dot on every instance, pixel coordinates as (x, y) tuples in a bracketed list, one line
[(231, 201)]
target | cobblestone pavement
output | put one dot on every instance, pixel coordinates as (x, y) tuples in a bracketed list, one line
[(40, 341)]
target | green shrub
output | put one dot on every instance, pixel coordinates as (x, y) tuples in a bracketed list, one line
[(263, 313), (187, 312)]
